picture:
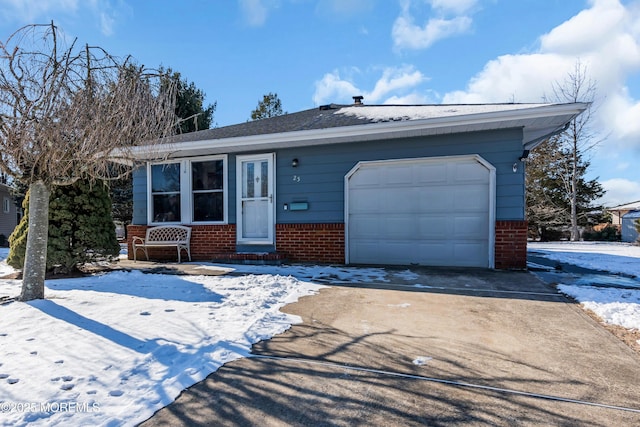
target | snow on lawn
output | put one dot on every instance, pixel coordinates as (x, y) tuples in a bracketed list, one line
[(112, 349), (616, 300), (614, 257)]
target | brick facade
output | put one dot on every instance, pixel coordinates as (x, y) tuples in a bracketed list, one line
[(311, 242), (322, 243), (206, 240), (511, 245)]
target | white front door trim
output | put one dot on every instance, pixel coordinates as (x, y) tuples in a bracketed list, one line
[(255, 200)]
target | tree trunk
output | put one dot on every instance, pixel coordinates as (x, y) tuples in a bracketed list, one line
[(575, 232), (35, 261)]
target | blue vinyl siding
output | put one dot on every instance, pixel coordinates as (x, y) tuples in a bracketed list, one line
[(139, 195), (319, 177), (322, 169)]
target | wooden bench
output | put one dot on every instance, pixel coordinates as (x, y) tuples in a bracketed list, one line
[(164, 236)]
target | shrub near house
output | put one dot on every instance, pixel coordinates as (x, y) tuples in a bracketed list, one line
[(80, 228)]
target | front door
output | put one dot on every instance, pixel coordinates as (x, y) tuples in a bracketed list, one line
[(255, 208)]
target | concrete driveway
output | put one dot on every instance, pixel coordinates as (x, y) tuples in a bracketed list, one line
[(469, 347)]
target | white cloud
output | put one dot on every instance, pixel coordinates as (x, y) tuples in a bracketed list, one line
[(395, 79), (453, 6), (332, 88), (587, 30), (255, 12), (620, 191), (513, 78), (396, 83), (107, 13), (411, 99), (28, 11), (408, 35), (605, 38)]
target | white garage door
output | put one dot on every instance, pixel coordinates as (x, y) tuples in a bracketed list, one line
[(432, 211)]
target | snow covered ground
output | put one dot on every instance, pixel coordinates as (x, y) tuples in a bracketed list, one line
[(614, 299), (112, 349)]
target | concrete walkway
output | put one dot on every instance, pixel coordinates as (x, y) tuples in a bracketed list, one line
[(474, 348)]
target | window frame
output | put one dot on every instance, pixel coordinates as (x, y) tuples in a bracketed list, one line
[(186, 190), (6, 205)]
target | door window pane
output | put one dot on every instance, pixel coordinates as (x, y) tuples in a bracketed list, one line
[(264, 190), (248, 183)]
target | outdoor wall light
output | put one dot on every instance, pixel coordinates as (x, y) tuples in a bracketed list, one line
[(515, 167), (295, 163)]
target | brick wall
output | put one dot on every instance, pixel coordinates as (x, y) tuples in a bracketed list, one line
[(323, 243), (206, 240), (511, 245), (311, 242)]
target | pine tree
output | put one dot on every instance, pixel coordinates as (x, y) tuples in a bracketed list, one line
[(270, 106), (550, 182), (81, 228), (190, 108)]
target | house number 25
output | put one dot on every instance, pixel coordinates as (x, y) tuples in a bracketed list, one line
[(296, 178)]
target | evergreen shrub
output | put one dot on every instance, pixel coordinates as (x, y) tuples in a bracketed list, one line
[(81, 228)]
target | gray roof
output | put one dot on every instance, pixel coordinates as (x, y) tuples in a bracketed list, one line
[(626, 207), (333, 124), (335, 116), (315, 118)]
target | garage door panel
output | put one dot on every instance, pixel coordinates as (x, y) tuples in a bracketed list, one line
[(433, 228), (398, 175), (471, 227), (469, 172), (472, 198), (428, 212), (366, 177), (431, 174), (465, 253), (367, 201), (434, 254)]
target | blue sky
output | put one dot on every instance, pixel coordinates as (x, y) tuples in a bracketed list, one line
[(314, 52)]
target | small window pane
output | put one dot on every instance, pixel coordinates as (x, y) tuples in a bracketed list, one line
[(166, 207), (207, 175), (265, 179), (165, 178), (248, 185), (208, 206)]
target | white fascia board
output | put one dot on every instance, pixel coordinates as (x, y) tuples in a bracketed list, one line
[(372, 131)]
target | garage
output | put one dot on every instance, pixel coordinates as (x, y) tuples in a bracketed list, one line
[(435, 211)]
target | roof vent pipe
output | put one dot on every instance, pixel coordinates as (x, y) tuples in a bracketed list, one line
[(357, 100)]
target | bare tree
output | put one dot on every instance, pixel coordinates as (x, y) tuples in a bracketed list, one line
[(578, 139), (63, 111)]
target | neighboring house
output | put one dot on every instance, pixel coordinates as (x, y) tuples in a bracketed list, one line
[(617, 212), (9, 214), (628, 231), (435, 185)]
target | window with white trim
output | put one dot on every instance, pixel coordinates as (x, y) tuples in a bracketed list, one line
[(207, 180), (165, 192), (191, 191), (6, 205)]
